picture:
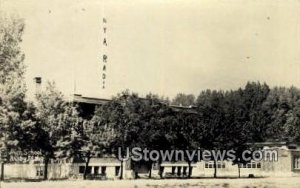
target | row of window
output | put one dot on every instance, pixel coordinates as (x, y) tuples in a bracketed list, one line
[(102, 169), (251, 165), (97, 170), (39, 171), (219, 164), (180, 170), (211, 164)]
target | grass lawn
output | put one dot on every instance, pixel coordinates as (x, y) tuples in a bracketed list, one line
[(291, 182)]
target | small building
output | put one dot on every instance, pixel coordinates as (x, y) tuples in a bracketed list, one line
[(98, 168), (36, 170)]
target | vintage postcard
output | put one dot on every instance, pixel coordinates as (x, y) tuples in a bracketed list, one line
[(157, 94)]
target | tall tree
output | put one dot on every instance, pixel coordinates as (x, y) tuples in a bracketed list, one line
[(253, 114), (281, 105), (237, 132), (121, 119), (14, 118), (97, 136), (133, 119), (154, 114), (292, 125), (51, 107), (129, 128), (211, 115), (71, 134)]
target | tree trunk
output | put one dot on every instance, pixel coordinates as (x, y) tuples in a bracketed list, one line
[(46, 161), (150, 171), (189, 169), (2, 172), (161, 169), (122, 170), (135, 169), (215, 167), (86, 166)]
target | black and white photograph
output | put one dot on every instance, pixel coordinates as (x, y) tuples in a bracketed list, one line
[(149, 93)]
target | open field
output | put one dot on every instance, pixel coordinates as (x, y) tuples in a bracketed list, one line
[(291, 182)]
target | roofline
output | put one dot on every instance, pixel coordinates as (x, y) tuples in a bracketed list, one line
[(98, 101), (89, 100)]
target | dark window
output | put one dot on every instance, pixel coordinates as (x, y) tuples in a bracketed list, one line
[(103, 170), (252, 165), (117, 170), (220, 164), (249, 165), (39, 171), (184, 170), (206, 165), (179, 171), (81, 169), (173, 170), (96, 170), (258, 165)]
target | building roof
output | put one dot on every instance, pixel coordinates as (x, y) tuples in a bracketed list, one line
[(89, 100), (104, 160), (77, 98), (101, 161), (178, 163)]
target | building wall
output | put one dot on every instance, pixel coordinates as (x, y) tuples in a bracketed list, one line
[(15, 171), (110, 170), (30, 171), (59, 171), (283, 167)]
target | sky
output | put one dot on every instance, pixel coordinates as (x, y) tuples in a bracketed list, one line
[(160, 46)]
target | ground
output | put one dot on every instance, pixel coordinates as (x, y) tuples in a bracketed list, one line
[(291, 182)]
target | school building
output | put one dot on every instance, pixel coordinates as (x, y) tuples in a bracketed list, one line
[(288, 163)]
